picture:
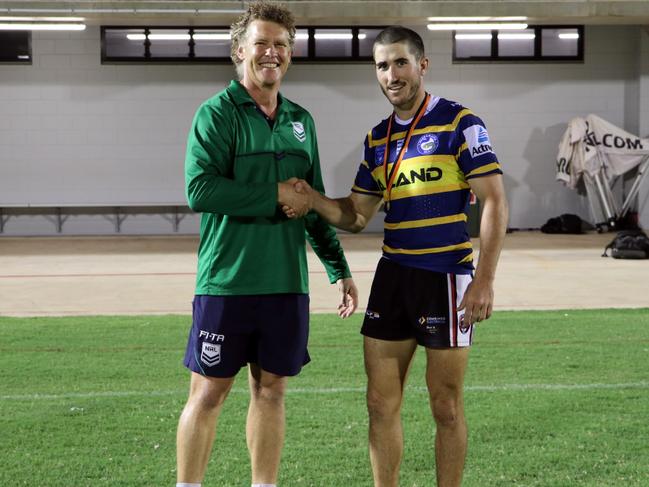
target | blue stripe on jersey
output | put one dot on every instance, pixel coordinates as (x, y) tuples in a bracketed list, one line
[(425, 225)]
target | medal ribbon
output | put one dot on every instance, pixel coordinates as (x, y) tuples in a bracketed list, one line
[(389, 179)]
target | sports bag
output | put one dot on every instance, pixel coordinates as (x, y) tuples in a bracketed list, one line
[(629, 244)]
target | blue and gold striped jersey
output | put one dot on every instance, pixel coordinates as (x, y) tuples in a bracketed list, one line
[(425, 222)]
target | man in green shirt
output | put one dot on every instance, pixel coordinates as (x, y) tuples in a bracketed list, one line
[(247, 147)]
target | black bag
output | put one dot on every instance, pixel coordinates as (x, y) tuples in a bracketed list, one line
[(629, 244), (566, 223)]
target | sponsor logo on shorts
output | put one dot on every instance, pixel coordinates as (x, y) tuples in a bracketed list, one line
[(427, 144), (464, 326), (477, 140), (372, 315), (211, 337), (211, 354), (430, 323), (298, 131)]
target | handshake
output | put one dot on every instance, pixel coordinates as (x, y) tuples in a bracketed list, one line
[(295, 197)]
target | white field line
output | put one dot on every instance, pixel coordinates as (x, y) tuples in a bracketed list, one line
[(331, 390)]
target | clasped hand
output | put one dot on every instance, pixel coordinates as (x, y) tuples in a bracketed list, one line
[(295, 197)]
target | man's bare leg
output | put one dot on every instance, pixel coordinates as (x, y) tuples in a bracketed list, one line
[(445, 378), (386, 365), (197, 425), (266, 424)]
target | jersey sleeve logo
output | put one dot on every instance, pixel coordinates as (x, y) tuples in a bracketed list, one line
[(477, 140), (379, 154), (428, 143), (298, 131)]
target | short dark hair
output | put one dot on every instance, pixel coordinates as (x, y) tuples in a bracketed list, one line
[(398, 33), (261, 10)]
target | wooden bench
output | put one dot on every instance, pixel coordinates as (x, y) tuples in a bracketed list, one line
[(115, 213)]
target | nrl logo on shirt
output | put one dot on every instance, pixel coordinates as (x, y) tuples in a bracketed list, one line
[(298, 131), (477, 140)]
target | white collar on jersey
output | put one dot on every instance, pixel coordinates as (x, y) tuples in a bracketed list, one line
[(431, 104)]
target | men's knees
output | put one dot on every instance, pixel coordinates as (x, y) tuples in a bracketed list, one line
[(273, 393), (446, 412), (380, 406)]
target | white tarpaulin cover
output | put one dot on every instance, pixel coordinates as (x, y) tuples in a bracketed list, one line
[(592, 145)]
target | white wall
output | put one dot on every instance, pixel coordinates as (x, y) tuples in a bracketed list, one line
[(643, 124), (74, 131)]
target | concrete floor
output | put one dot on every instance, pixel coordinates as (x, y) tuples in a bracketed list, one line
[(155, 275)]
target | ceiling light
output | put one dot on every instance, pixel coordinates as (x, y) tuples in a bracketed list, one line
[(476, 19), (211, 37), (178, 37), (333, 36), (104, 10), (31, 26), (42, 19), (516, 37), (569, 35), (490, 26), (473, 37)]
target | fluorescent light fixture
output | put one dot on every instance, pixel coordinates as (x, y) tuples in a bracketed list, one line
[(236, 11), (179, 37), (211, 37), (195, 11), (41, 10), (362, 36), (302, 36), (473, 37), (23, 56), (569, 35), (42, 26), (476, 19), (516, 37), (42, 19), (489, 26), (104, 10), (333, 36)]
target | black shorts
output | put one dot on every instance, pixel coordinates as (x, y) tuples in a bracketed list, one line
[(229, 332), (408, 302)]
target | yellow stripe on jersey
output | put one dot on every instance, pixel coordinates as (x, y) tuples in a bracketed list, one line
[(426, 130), (483, 169), (364, 191), (433, 170), (426, 222), (468, 258), (366, 164), (419, 190), (432, 250), (463, 147)]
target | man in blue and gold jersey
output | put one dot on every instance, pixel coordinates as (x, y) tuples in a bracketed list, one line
[(421, 163)]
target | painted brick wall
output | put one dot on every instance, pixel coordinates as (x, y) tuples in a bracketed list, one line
[(75, 131)]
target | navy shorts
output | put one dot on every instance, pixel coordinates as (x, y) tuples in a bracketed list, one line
[(408, 302), (229, 332)]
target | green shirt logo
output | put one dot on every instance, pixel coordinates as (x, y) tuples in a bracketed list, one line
[(298, 131)]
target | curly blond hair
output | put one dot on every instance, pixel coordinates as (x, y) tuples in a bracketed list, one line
[(260, 10)]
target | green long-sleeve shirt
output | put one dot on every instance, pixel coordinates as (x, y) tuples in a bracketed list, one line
[(234, 161)]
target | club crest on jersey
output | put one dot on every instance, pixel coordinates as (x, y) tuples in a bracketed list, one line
[(211, 354), (428, 143), (298, 131), (477, 140)]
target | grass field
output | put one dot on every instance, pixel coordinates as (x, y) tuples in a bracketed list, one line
[(553, 399)]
